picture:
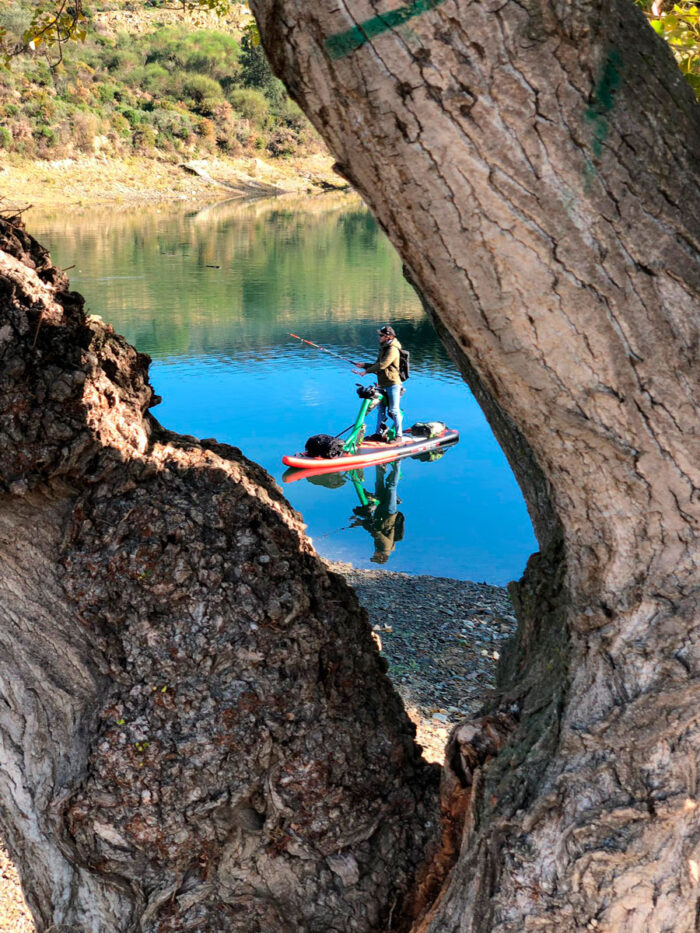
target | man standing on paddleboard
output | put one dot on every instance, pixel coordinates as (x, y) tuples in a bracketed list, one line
[(387, 369)]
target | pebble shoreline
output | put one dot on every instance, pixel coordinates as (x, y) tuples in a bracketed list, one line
[(442, 639)]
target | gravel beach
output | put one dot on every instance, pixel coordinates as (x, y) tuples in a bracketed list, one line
[(442, 639)]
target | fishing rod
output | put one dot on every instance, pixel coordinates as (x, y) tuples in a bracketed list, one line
[(325, 350)]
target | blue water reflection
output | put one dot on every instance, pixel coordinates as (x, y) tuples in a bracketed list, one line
[(213, 298)]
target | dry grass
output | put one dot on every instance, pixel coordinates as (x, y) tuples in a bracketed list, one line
[(95, 180)]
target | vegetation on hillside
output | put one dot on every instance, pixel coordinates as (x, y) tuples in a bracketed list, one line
[(176, 92), (172, 90)]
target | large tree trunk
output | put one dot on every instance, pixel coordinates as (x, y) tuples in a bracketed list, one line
[(197, 732), (533, 164)]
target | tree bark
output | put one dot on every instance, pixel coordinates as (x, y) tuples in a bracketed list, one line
[(534, 165), (197, 731)]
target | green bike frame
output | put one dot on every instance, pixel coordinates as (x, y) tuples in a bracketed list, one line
[(358, 429)]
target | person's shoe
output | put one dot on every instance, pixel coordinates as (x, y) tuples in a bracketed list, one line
[(398, 439)]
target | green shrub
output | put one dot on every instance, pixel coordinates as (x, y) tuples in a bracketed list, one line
[(155, 78), (204, 52), (5, 138), (255, 68), (106, 93), (198, 88), (121, 125), (293, 116), (211, 53), (47, 133), (135, 117), (283, 142), (122, 61), (172, 125), (209, 106), (144, 138), (251, 104)]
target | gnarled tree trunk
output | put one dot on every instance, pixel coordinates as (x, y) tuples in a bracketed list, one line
[(533, 163), (197, 732)]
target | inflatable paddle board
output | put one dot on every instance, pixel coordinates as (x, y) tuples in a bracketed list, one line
[(370, 453)]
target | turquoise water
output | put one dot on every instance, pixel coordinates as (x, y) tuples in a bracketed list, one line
[(212, 296)]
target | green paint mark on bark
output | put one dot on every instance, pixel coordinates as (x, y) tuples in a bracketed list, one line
[(604, 99), (343, 43)]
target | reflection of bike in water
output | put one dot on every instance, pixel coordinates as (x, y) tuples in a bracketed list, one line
[(379, 513)]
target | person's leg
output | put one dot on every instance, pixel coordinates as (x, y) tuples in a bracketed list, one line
[(392, 482), (381, 411), (394, 400)]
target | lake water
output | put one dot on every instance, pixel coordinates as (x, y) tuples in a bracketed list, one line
[(212, 295)]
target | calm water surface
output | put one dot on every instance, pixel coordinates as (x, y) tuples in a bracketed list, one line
[(211, 295)]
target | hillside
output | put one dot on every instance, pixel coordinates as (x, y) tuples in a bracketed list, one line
[(148, 84)]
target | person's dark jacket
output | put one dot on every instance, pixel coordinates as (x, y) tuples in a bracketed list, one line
[(387, 365)]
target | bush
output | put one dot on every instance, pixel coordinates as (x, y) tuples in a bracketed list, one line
[(283, 142), (106, 93), (172, 125), (204, 52), (199, 88), (154, 78), (85, 128), (5, 138), (251, 104), (211, 53), (22, 136), (45, 134), (121, 125), (122, 61), (134, 117), (227, 140), (144, 138), (209, 106), (293, 116)]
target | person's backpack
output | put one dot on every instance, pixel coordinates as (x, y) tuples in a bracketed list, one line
[(324, 445), (404, 364)]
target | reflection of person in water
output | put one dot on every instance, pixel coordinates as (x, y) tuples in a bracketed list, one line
[(379, 513)]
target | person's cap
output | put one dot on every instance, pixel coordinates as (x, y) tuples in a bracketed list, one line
[(387, 331)]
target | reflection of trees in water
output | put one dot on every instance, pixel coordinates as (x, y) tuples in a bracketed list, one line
[(278, 263)]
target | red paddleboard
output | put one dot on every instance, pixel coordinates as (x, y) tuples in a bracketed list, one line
[(369, 453)]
